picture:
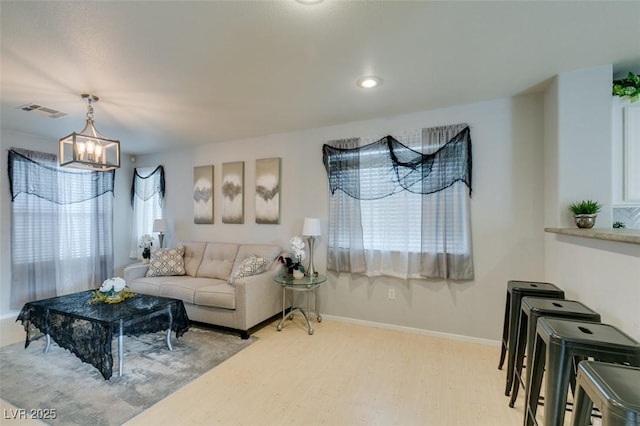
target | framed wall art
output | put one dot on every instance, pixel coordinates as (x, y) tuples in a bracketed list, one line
[(233, 192), (203, 195), (268, 191)]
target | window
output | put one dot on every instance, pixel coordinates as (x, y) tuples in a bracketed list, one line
[(62, 227), (147, 196), (406, 217)]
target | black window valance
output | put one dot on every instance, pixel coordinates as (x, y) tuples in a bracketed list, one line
[(38, 174), (404, 169), (147, 184)]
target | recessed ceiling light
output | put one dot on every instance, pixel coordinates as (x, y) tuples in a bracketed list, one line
[(309, 1), (369, 82)]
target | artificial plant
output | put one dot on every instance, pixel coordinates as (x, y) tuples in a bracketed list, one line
[(629, 86)]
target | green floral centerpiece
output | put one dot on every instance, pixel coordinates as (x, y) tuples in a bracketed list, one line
[(113, 290)]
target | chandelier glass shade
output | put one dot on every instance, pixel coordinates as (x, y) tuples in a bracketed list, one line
[(88, 149)]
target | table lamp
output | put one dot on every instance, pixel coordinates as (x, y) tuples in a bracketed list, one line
[(311, 230), (160, 226)]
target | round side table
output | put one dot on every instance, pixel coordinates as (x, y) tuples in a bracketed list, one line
[(307, 284)]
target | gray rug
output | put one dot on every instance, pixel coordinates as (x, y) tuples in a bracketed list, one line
[(77, 391)]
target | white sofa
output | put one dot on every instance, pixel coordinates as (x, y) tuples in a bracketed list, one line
[(205, 289)]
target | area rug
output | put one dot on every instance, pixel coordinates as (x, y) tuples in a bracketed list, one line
[(78, 393)]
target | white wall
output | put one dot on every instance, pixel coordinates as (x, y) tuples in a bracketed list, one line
[(507, 213), (122, 213), (578, 164)]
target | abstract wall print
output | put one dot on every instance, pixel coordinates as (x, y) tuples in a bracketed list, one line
[(203, 194), (268, 191), (233, 192)]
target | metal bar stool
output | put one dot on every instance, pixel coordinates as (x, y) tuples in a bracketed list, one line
[(613, 389), (532, 309), (557, 342), (516, 290)]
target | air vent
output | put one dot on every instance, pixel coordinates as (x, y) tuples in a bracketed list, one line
[(49, 112)]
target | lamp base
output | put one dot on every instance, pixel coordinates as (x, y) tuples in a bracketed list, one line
[(311, 270), (161, 238)]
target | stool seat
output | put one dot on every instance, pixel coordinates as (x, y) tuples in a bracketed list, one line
[(557, 342), (532, 309), (613, 389), (516, 290)]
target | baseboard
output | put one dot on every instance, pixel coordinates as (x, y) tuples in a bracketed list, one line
[(459, 337)]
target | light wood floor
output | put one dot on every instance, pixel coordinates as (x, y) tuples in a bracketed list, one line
[(344, 374)]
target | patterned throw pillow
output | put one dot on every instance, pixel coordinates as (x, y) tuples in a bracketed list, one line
[(166, 262), (252, 265)]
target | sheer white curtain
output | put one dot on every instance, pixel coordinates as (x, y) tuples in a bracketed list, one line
[(147, 195), (446, 250), (345, 250), (61, 228)]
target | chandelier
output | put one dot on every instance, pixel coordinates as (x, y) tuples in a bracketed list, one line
[(88, 149)]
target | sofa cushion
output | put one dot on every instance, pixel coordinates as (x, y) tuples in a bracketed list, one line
[(267, 251), (193, 252), (217, 295), (152, 285), (185, 288), (252, 265), (166, 262), (217, 260)]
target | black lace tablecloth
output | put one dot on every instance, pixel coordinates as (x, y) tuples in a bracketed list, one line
[(87, 329)]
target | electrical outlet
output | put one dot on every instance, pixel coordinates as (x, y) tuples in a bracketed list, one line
[(392, 294)]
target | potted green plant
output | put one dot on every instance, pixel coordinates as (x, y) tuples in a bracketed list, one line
[(585, 212), (629, 86)]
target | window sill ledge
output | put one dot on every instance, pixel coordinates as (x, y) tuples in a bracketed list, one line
[(631, 236)]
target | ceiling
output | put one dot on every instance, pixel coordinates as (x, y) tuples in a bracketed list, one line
[(171, 73)]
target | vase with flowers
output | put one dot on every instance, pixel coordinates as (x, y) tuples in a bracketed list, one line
[(293, 261), (146, 242)]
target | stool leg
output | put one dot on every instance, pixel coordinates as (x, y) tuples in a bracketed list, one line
[(505, 331), (558, 372), (520, 347), (535, 367), (582, 406), (511, 353), (514, 315)]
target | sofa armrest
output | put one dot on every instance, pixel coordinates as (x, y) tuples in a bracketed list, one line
[(135, 271), (259, 296)]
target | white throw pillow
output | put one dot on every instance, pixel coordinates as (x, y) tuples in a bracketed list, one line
[(167, 262), (252, 265)]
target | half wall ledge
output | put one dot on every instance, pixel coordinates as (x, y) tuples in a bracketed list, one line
[(631, 236)]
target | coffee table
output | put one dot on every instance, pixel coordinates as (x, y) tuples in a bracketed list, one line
[(88, 329)]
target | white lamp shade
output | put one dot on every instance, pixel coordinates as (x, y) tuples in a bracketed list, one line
[(311, 227), (160, 225)]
